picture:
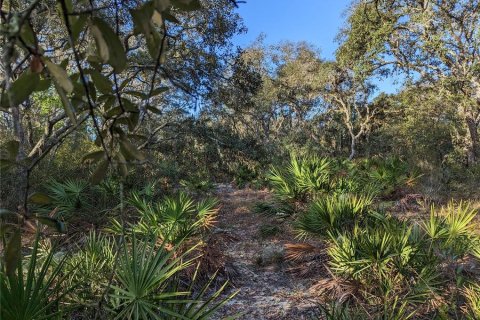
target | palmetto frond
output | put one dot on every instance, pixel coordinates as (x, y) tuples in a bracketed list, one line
[(174, 218), (332, 213), (34, 293)]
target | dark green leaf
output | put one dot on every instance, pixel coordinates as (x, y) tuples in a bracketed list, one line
[(122, 164), (94, 156), (153, 44), (102, 83), (99, 173), (43, 85), (39, 198), (52, 222), (130, 151), (115, 111), (23, 87), (116, 52), (142, 19), (102, 47), (137, 94), (67, 105), (159, 90), (129, 106), (108, 101), (170, 17), (13, 253), (59, 75), (78, 26), (133, 120), (153, 109), (27, 35)]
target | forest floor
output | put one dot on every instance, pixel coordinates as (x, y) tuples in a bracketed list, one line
[(269, 286), (259, 264)]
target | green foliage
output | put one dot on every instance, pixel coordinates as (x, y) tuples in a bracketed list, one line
[(333, 213), (273, 209), (68, 197), (387, 261), (244, 175), (391, 259), (89, 267), (174, 218), (123, 101), (472, 297), (198, 184), (147, 285), (206, 301), (390, 175), (344, 311), (308, 178), (143, 289), (451, 231), (268, 230), (301, 179), (363, 39), (34, 293)]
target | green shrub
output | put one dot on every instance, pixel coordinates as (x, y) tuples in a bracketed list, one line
[(273, 209), (244, 175), (416, 261), (301, 179), (174, 218), (390, 175), (147, 285), (472, 297), (68, 197), (387, 260), (269, 230), (392, 310), (89, 268), (198, 185), (333, 213), (34, 292), (451, 231), (307, 178)]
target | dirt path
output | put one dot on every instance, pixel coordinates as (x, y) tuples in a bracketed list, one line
[(268, 290)]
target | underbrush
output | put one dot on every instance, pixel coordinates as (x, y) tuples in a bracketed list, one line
[(146, 251), (145, 261), (382, 265)]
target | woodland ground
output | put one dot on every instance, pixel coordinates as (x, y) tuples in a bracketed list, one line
[(255, 251), (271, 285), (268, 287)]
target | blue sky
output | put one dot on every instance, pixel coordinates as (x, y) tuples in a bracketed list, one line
[(315, 21)]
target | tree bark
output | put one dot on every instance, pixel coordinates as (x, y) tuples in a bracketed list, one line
[(353, 148), (473, 151)]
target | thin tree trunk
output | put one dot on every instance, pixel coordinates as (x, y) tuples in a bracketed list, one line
[(21, 183), (473, 151), (353, 146)]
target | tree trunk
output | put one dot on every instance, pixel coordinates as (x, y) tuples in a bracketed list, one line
[(353, 146), (21, 186), (473, 150), (21, 183)]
